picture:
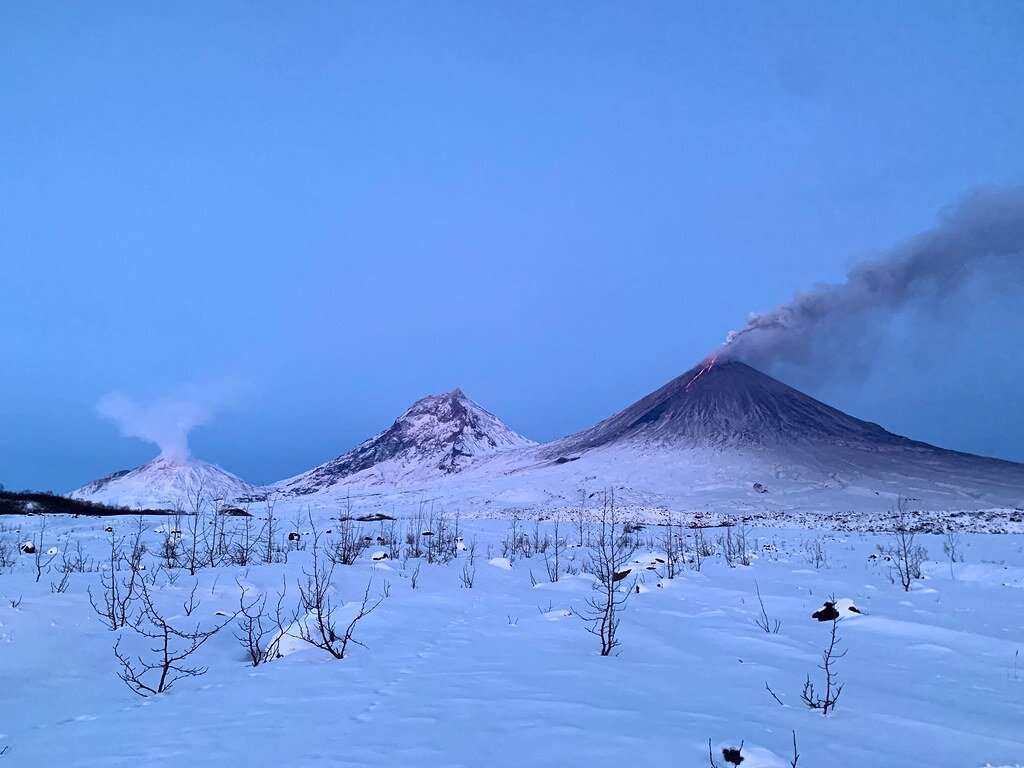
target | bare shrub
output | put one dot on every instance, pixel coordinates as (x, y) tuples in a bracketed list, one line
[(320, 625), (388, 537), (8, 555), (61, 586), (553, 559), (609, 556), (745, 545), (119, 592), (770, 626), (191, 604), (245, 543), (171, 550), (166, 661), (735, 549), (516, 543), (259, 631), (905, 555), (218, 541), (349, 542), (727, 547), (579, 517), (324, 634), (295, 541), (193, 554), (75, 560), (41, 557), (951, 547), (72, 560), (414, 535), (440, 536), (702, 548), (829, 657), (815, 554), (272, 549), (541, 540), (137, 548), (414, 577), (673, 544), (252, 626)]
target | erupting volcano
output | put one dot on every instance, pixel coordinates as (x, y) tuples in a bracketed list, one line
[(724, 431), (166, 484), (707, 367), (728, 403)]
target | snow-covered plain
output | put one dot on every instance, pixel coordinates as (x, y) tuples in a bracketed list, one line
[(503, 674)]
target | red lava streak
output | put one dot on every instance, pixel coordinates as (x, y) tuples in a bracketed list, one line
[(707, 367)]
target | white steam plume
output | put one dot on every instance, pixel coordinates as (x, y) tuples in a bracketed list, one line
[(166, 421), (985, 231)]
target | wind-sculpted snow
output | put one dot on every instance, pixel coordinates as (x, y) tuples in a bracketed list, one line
[(439, 435), (165, 484)]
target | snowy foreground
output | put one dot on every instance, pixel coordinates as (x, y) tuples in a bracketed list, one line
[(501, 673)]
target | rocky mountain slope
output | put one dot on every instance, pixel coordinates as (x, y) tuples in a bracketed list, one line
[(438, 435)]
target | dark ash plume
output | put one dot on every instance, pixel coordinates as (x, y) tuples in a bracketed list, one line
[(985, 231)]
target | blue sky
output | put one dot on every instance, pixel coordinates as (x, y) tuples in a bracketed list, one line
[(331, 209)]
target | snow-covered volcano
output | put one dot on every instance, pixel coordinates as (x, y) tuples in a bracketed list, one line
[(727, 404), (439, 435), (724, 435), (166, 484)]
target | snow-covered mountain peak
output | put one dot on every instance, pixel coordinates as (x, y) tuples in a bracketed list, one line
[(438, 435), (719, 435), (165, 483), (726, 402)]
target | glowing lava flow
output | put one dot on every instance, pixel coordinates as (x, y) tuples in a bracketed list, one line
[(707, 367)]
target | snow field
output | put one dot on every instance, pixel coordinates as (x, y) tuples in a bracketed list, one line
[(503, 674)]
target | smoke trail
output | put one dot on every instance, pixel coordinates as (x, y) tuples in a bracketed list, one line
[(166, 421), (985, 231)]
